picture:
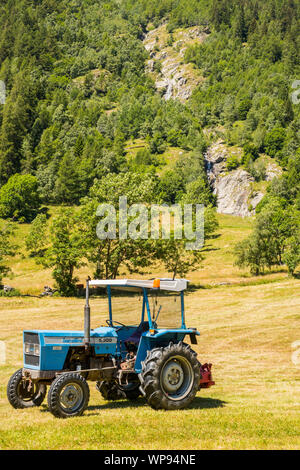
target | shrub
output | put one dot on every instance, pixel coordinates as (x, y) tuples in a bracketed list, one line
[(144, 157), (232, 163), (10, 293), (257, 170), (274, 141)]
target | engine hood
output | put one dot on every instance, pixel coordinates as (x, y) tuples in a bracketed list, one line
[(47, 349), (71, 338)]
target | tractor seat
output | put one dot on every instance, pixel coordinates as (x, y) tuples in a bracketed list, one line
[(136, 335)]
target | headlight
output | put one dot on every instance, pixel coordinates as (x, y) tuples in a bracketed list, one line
[(33, 349)]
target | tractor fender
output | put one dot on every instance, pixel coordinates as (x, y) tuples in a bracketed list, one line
[(160, 337)]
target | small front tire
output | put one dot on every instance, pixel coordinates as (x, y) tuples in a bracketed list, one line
[(68, 395), (21, 396)]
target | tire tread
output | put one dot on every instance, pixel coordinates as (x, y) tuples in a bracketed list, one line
[(150, 376)]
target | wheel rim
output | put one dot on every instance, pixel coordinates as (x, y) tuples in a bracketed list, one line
[(71, 397), (177, 378)]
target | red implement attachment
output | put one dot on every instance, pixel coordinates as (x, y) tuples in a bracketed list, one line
[(206, 377)]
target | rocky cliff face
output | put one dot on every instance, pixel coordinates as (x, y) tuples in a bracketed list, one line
[(173, 78), (234, 189)]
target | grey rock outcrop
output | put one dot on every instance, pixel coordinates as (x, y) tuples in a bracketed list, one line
[(235, 195), (175, 78), (272, 171), (234, 191)]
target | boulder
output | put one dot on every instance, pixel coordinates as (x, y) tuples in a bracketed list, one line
[(234, 189), (8, 289)]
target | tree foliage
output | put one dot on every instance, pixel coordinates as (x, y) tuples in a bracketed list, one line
[(77, 93), (273, 241), (19, 198), (65, 253), (7, 248), (36, 240)]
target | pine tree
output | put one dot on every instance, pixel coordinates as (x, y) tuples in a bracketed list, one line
[(67, 187), (241, 27), (17, 119)]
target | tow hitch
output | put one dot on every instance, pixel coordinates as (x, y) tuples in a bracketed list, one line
[(206, 376)]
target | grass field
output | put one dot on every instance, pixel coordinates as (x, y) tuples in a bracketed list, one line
[(247, 332), (248, 327)]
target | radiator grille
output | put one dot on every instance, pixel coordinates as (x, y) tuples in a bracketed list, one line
[(31, 360), (32, 338)]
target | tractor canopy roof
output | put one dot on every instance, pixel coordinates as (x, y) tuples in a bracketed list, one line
[(172, 285)]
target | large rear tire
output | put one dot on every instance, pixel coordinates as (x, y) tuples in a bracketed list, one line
[(68, 395), (170, 377), (18, 394)]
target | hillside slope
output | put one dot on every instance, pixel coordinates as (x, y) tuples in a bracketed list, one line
[(216, 269), (77, 90)]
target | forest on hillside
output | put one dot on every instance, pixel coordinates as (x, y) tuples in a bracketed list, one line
[(77, 94), (77, 91)]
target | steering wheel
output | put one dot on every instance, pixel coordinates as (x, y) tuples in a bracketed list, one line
[(119, 323)]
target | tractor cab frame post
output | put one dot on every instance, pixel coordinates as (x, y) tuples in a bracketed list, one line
[(182, 310), (87, 317), (108, 290)]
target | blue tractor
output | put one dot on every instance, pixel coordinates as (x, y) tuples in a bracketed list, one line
[(147, 357)]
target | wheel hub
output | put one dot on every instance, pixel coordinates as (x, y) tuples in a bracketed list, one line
[(173, 376), (71, 396), (177, 378)]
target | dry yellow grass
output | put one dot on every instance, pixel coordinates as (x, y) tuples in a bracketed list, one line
[(247, 332)]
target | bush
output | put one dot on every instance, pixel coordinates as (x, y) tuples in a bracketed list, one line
[(243, 108), (157, 66), (257, 170), (144, 157), (19, 198), (250, 150), (11, 293), (274, 141), (232, 163)]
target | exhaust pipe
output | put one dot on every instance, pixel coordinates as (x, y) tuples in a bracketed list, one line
[(87, 318)]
